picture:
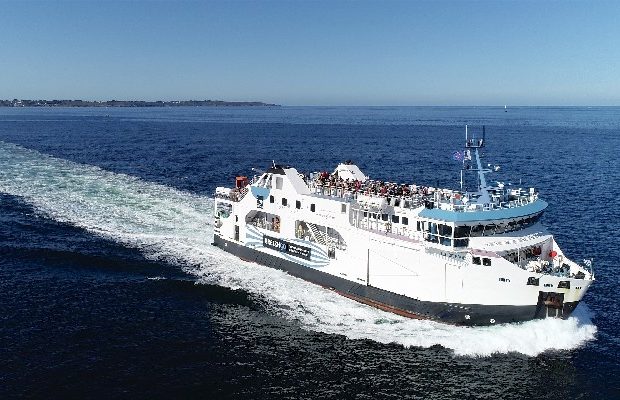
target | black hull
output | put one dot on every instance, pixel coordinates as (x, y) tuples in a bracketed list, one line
[(459, 314)]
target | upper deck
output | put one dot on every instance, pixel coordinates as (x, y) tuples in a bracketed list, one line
[(349, 184), (443, 204)]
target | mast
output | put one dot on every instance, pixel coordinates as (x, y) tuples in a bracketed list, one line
[(475, 143)]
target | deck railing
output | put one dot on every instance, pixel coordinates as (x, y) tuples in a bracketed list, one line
[(436, 198)]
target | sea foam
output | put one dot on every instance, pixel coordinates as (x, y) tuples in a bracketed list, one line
[(176, 227)]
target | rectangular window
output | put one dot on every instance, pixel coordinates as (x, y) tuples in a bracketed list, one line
[(312, 207), (533, 281), (343, 208), (297, 204), (476, 260), (395, 219), (486, 262), (365, 214), (384, 217), (461, 231), (284, 202), (405, 221), (271, 199)]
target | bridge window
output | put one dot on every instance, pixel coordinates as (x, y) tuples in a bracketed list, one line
[(438, 233), (461, 236), (476, 231)]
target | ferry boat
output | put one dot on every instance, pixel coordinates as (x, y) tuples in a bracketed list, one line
[(467, 257)]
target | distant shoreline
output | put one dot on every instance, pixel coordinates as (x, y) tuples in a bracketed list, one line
[(132, 103)]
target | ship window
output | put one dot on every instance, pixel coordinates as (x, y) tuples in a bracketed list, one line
[(461, 231), (312, 207), (284, 201), (533, 281), (405, 221), (297, 204), (271, 199), (445, 230), (331, 252), (264, 220), (486, 262), (278, 183), (384, 217), (320, 233), (476, 231), (461, 242), (343, 208), (224, 209), (395, 219), (564, 285), (512, 225), (396, 202), (419, 225), (365, 214), (489, 230), (476, 260)]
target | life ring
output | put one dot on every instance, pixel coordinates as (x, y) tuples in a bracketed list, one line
[(553, 253)]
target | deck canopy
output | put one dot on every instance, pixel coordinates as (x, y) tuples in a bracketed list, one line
[(490, 215), (350, 171)]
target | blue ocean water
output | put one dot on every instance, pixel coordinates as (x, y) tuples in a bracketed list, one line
[(109, 286)]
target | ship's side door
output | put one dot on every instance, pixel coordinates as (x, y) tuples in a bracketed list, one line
[(453, 282)]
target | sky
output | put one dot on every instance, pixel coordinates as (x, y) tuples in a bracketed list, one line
[(314, 52)]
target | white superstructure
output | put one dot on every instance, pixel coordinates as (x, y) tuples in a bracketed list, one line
[(463, 257)]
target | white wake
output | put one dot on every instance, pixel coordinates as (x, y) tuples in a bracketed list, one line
[(173, 226)]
